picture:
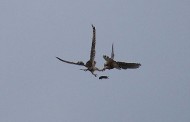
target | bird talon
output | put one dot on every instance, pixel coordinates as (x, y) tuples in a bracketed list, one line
[(84, 69)]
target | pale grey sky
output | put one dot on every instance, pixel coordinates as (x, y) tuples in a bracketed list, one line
[(36, 87)]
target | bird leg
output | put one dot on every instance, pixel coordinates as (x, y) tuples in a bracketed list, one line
[(102, 69), (84, 69), (90, 71), (94, 74), (99, 69)]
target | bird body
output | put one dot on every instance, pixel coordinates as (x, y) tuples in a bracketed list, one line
[(111, 63), (90, 65)]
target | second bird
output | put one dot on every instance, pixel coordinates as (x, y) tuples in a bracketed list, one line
[(111, 63)]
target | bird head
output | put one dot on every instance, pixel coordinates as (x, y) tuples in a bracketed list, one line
[(106, 57)]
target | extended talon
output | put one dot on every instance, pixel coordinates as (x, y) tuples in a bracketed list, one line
[(103, 69), (84, 69), (94, 74)]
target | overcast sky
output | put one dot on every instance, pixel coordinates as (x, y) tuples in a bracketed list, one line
[(36, 87)]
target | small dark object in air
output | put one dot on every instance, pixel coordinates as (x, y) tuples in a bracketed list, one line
[(103, 77)]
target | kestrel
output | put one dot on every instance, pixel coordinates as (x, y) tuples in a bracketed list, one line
[(111, 63), (90, 65)]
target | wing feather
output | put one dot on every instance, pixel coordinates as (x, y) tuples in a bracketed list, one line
[(93, 51), (125, 65), (112, 53), (69, 62)]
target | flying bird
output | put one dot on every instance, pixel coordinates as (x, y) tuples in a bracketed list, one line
[(90, 65), (111, 63)]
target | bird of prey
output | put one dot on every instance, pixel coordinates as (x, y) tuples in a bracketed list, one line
[(90, 65), (111, 63)]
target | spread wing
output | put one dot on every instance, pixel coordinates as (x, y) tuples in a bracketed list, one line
[(125, 65), (69, 62), (112, 53), (93, 51)]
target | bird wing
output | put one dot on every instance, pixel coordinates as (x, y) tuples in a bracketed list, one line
[(125, 65), (69, 62), (112, 53), (93, 51)]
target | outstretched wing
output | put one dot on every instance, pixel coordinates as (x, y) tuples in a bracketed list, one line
[(93, 51), (112, 53), (125, 65), (69, 62)]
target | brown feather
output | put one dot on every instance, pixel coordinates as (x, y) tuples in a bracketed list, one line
[(93, 51), (69, 62), (125, 65)]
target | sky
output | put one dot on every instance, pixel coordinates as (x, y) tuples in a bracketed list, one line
[(36, 87)]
